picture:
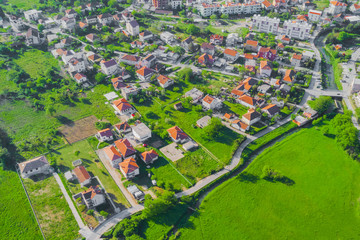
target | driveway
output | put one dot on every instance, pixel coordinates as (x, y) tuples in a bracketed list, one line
[(116, 175)]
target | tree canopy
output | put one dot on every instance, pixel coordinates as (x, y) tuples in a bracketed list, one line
[(321, 104)]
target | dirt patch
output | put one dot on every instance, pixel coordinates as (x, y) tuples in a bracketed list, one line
[(80, 130), (172, 152)]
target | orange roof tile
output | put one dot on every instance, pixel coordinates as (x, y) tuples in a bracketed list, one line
[(81, 174), (129, 165)]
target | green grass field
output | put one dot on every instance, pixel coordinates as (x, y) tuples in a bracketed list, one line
[(52, 210), (322, 4), (21, 4), (6, 85), (36, 62), (322, 203), (18, 220), (66, 155)]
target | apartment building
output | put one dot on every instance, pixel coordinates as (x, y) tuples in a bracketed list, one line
[(265, 24), (229, 8), (297, 29)]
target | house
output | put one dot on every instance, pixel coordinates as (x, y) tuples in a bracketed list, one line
[(251, 45), (68, 23), (251, 117), (165, 81), (83, 25), (82, 175), (149, 156), (93, 6), (132, 28), (148, 61), (267, 53), (94, 58), (93, 197), (207, 48), (32, 37), (209, 102), (123, 127), (129, 168), (113, 155), (178, 106), (17, 24), (38, 165), (355, 8), (195, 94), (337, 7), (32, 15), (141, 132), (105, 19), (167, 37), (265, 69), (216, 39), (158, 67), (267, 5), (285, 39), (233, 39), (76, 65), (105, 135), (145, 36), (289, 76), (67, 56), (80, 78), (91, 20), (245, 86), (70, 13), (128, 91), (92, 37), (314, 16), (206, 60), (300, 121), (307, 55), (109, 67), (271, 110), (247, 101), (310, 113), (307, 5), (144, 74), (231, 55), (66, 42), (137, 44), (285, 89), (296, 60), (118, 83), (130, 59), (128, 17), (178, 135), (188, 43), (124, 74), (239, 125), (203, 122), (264, 88), (123, 107), (125, 148)]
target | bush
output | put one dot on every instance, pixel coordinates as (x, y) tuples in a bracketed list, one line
[(102, 125), (90, 212), (82, 208), (104, 214)]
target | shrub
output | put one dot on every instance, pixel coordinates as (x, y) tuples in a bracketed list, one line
[(90, 212), (104, 214)]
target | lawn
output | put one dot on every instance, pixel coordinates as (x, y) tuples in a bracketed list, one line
[(337, 68), (36, 62), (24, 5), (236, 108), (321, 204), (17, 219), (321, 4), (52, 210), (66, 155)]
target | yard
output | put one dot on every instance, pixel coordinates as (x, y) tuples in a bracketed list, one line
[(66, 155), (36, 62), (53, 212), (17, 221), (21, 4), (322, 203)]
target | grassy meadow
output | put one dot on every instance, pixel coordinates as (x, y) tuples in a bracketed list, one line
[(321, 204), (17, 221), (52, 210)]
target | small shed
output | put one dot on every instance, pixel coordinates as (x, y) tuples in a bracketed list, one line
[(189, 145), (77, 163), (203, 122), (69, 176), (178, 106)]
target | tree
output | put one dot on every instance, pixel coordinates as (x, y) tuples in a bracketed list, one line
[(185, 74), (41, 27), (321, 104), (112, 3), (50, 111), (192, 29), (224, 16), (104, 214), (154, 207), (100, 77), (214, 129), (213, 17)]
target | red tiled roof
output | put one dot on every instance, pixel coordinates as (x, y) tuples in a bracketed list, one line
[(208, 99), (249, 100), (230, 52), (129, 165), (252, 43), (112, 153), (81, 174), (176, 133), (122, 104), (148, 156), (163, 79), (125, 147)]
